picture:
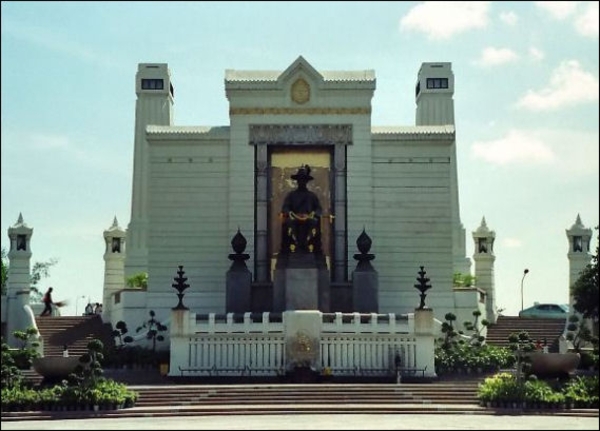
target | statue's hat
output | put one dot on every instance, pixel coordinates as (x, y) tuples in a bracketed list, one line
[(303, 173)]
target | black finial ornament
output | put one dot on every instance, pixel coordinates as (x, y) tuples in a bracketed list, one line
[(180, 284), (239, 258), (422, 286), (238, 242), (363, 243)]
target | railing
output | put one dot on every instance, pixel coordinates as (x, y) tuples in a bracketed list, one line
[(367, 354), (254, 344), (234, 354)]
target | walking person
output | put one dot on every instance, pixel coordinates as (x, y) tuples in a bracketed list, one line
[(47, 300), (89, 309)]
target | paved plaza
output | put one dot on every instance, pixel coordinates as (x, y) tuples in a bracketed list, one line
[(319, 422)]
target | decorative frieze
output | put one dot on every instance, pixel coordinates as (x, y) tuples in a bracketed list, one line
[(299, 111), (300, 134)]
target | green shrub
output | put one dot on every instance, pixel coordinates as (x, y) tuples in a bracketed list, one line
[(84, 388)]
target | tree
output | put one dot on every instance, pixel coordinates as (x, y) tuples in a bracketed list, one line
[(89, 370), (463, 280), (579, 334), (27, 351), (4, 270), (138, 280), (521, 345), (152, 328), (39, 271), (119, 331), (585, 290)]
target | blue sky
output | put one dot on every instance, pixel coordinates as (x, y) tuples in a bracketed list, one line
[(526, 106)]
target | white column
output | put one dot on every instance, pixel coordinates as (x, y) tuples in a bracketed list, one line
[(19, 279), (484, 268), (114, 267)]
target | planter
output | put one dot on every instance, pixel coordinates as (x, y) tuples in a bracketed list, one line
[(553, 364), (55, 367)]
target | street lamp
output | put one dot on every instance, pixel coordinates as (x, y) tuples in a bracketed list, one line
[(77, 304), (525, 271)]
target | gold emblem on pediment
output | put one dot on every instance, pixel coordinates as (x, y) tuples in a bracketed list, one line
[(300, 91)]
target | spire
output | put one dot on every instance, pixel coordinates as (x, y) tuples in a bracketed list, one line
[(578, 222), (20, 222), (483, 228), (114, 229)]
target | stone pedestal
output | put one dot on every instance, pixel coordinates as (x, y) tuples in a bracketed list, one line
[(300, 283), (365, 281), (239, 278), (365, 291), (239, 288), (301, 289), (425, 338)]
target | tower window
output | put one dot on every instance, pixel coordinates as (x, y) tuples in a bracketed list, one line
[(116, 245), (153, 84), (483, 245), (577, 243), (21, 242), (437, 83)]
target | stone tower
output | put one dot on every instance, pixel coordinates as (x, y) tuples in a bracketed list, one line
[(579, 247), (19, 278), (154, 106), (484, 267), (114, 266), (434, 94)]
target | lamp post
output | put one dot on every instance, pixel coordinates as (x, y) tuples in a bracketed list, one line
[(525, 272), (77, 304)]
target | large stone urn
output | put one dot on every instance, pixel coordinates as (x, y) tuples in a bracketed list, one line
[(55, 367), (553, 364)]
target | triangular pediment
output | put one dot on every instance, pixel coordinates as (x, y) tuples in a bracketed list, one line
[(300, 67)]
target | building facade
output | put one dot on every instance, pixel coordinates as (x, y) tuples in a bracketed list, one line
[(194, 187)]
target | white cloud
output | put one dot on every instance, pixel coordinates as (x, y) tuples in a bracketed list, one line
[(64, 149), (509, 18), (511, 243), (54, 41), (558, 9), (48, 142), (569, 85), (536, 54), (442, 20), (567, 152), (587, 23), (517, 147), (577, 152), (491, 56)]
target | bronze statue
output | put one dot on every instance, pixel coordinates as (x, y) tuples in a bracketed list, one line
[(301, 217)]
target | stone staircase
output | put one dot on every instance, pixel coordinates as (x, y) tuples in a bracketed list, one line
[(456, 396), (208, 399), (73, 331), (457, 393), (537, 328)]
